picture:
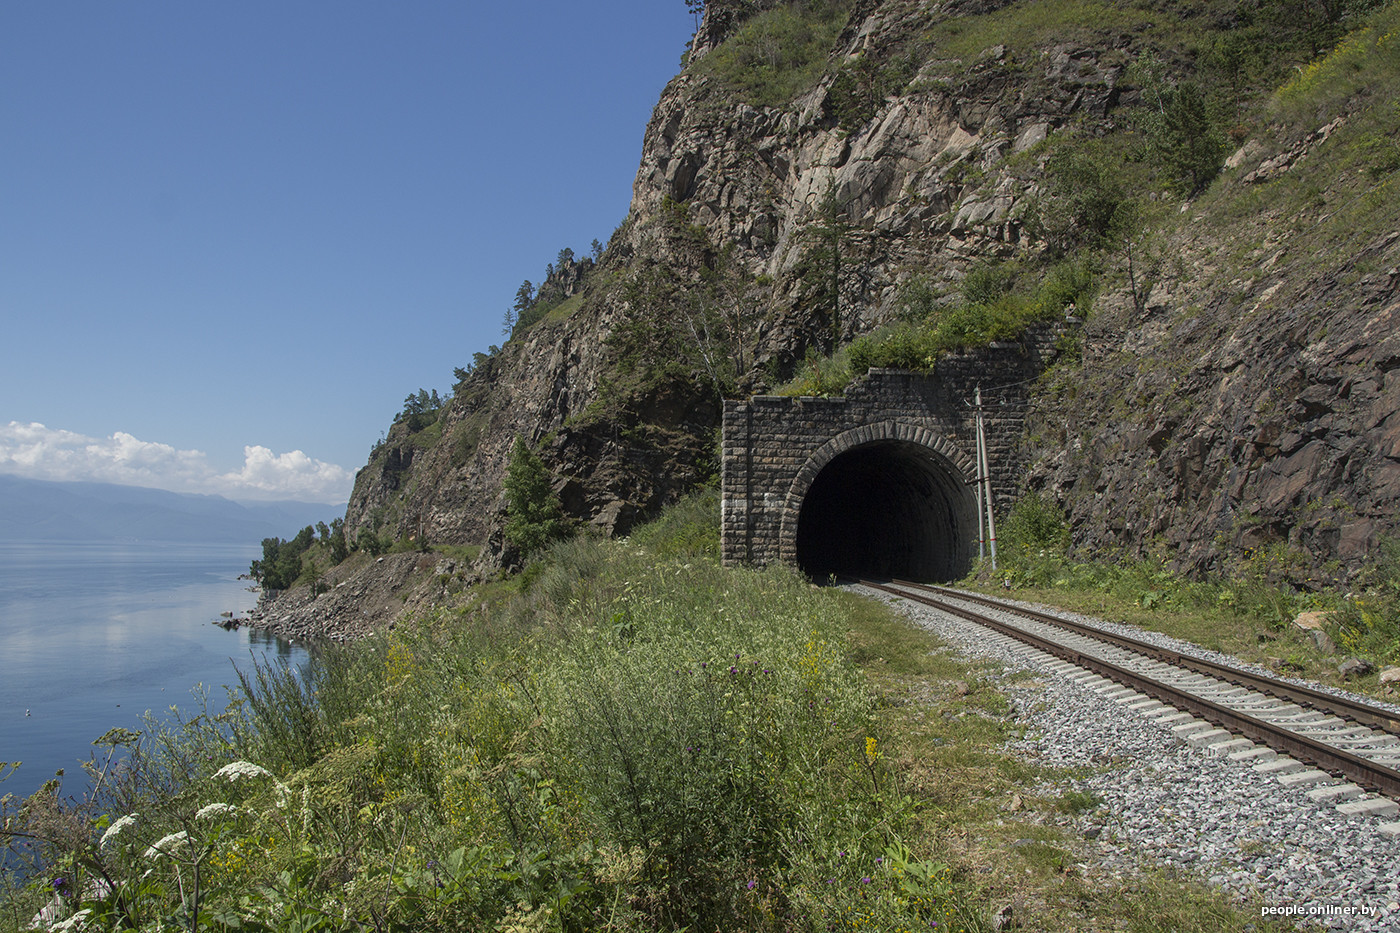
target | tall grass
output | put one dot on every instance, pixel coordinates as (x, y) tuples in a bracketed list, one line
[(638, 740)]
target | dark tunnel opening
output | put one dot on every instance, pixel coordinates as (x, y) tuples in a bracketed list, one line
[(888, 509)]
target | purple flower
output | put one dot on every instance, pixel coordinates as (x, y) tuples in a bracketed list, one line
[(865, 881), (752, 885)]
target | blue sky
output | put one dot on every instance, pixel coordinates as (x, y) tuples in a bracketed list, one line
[(233, 236)]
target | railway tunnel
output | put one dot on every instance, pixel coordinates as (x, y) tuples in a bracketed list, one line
[(875, 482), (891, 508)]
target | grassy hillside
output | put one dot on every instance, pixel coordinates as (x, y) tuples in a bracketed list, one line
[(627, 737)]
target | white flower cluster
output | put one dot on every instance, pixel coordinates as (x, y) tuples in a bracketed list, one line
[(167, 844), (115, 829), (215, 809), (241, 769)]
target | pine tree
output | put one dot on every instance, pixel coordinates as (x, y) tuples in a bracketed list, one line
[(534, 515), (1190, 146)]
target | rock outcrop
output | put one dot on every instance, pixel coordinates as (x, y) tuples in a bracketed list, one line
[(1252, 420), (1237, 391), (923, 188)]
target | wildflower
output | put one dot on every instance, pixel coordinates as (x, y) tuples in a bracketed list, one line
[(167, 844), (215, 809), (865, 881), (115, 829), (752, 884), (870, 753), (241, 769)]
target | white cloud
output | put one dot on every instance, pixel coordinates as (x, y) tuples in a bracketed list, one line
[(38, 452)]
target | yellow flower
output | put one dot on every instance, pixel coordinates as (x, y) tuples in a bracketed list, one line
[(870, 752)]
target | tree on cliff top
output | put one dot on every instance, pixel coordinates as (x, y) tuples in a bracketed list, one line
[(534, 515)]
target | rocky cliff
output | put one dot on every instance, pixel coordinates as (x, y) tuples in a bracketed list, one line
[(1249, 408), (723, 203), (823, 169)]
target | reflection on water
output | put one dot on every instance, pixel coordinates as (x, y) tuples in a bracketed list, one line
[(270, 643), (94, 636)]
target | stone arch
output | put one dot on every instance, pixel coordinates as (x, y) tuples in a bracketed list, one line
[(888, 498)]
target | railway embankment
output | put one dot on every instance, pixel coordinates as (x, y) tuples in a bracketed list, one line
[(1154, 800)]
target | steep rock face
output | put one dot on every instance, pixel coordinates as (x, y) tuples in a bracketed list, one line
[(1246, 399), (924, 184), (922, 189), (1221, 425), (443, 485)]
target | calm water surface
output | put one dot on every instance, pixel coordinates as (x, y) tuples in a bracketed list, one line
[(93, 636)]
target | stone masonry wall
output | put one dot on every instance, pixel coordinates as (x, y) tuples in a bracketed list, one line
[(774, 445)]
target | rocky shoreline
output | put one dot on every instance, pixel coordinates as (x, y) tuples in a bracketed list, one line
[(359, 598)]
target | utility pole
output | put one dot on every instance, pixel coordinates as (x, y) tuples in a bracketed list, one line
[(984, 487)]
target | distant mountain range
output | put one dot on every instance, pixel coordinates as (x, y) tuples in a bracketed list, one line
[(35, 510)]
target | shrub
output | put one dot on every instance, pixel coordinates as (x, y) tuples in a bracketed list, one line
[(779, 53), (1083, 197), (690, 528), (1368, 623), (860, 88), (1190, 145), (988, 282), (1035, 522)]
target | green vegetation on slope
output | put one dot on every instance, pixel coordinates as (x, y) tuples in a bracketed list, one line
[(999, 303), (636, 739), (779, 53), (1247, 612), (302, 558), (636, 742)]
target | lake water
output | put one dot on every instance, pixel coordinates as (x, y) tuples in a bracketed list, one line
[(93, 636)]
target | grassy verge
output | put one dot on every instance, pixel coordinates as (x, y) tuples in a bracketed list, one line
[(629, 738), (1154, 599), (637, 739), (1248, 612)]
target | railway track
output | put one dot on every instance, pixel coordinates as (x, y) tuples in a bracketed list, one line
[(1340, 751)]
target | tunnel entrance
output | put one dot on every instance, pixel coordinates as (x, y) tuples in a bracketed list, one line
[(888, 509)]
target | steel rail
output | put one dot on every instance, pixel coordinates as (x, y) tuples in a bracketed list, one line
[(1367, 774), (1342, 707)]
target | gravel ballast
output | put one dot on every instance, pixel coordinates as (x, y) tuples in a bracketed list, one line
[(1168, 803)]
